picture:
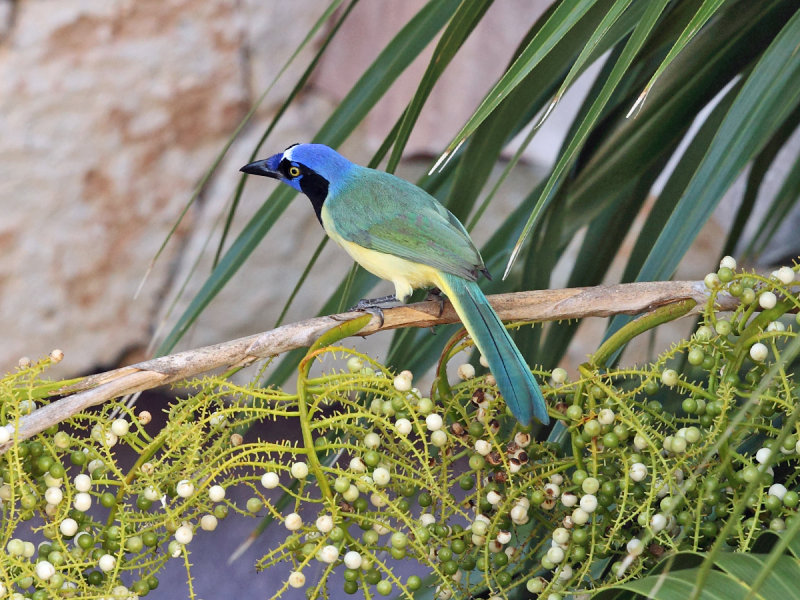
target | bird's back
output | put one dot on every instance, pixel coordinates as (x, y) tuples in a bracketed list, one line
[(382, 212)]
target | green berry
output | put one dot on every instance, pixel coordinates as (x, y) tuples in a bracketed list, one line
[(610, 440), (725, 274), (651, 387), (57, 470), (696, 356), (134, 544), (476, 429), (574, 412), (371, 458), (592, 428), (723, 327), (254, 504), (370, 537), (141, 588), (477, 462)]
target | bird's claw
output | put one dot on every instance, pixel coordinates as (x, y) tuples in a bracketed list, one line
[(435, 295), (367, 303), (373, 306), (374, 310)]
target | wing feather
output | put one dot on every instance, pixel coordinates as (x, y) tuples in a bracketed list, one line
[(382, 212)]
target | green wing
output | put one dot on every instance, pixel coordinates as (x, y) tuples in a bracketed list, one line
[(382, 212)]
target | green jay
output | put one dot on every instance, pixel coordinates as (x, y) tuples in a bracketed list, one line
[(400, 233)]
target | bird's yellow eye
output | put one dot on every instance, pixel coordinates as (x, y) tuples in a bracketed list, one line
[(294, 171)]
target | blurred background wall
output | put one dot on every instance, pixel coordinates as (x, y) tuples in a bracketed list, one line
[(111, 111)]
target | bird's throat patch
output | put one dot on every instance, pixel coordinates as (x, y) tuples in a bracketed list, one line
[(315, 187)]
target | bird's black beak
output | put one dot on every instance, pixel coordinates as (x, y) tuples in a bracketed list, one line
[(267, 167)]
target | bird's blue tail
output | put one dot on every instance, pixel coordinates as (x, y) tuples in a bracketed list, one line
[(514, 379)]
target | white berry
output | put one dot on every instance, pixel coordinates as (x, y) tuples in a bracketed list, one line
[(185, 488), (589, 503), (324, 523), (402, 383), (53, 495), (299, 470), (297, 579), (45, 570), (727, 261), (433, 422), (439, 438), (560, 536), (606, 416), (352, 560), (372, 440), (329, 554), (785, 275), (580, 516), (293, 522), (778, 490), (466, 371), (120, 427), (402, 426), (767, 300), (559, 375), (82, 501), (83, 483), (68, 527), (483, 447), (184, 534), (638, 471), (270, 480), (555, 554), (569, 500), (658, 522), (107, 563), (759, 352), (381, 476), (216, 493), (635, 547)]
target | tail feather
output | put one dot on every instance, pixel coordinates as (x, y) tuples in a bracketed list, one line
[(514, 378)]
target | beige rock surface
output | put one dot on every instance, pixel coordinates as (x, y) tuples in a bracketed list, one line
[(111, 111)]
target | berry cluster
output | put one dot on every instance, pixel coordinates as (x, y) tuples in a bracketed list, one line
[(395, 489)]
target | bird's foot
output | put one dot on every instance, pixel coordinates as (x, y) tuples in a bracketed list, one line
[(435, 295), (373, 306), (366, 303)]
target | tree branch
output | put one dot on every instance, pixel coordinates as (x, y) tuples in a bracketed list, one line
[(542, 305)]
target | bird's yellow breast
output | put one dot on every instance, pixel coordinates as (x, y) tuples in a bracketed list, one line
[(404, 274)]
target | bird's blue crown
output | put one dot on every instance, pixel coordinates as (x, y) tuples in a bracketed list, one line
[(321, 159)]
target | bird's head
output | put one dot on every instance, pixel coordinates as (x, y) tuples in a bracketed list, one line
[(309, 168)]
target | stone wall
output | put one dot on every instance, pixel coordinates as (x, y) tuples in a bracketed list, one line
[(111, 111)]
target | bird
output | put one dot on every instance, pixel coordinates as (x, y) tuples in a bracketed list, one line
[(400, 233)]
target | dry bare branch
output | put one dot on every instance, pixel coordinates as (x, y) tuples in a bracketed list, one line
[(542, 305)]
